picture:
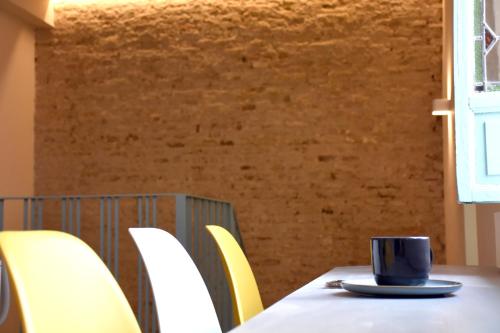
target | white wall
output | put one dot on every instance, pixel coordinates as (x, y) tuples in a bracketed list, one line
[(453, 212), (17, 107)]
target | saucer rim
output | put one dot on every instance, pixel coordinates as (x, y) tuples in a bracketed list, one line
[(357, 286), (445, 283)]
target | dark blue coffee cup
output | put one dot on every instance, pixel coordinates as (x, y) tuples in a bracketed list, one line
[(401, 261)]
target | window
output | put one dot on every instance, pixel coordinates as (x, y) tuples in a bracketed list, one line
[(477, 99), (486, 45)]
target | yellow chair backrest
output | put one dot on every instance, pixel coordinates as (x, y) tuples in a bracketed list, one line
[(62, 286), (244, 291)]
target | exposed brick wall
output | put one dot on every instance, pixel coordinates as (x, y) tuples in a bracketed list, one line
[(312, 117)]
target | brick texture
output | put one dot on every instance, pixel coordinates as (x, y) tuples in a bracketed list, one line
[(311, 116)]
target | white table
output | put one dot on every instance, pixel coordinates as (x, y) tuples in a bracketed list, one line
[(475, 308)]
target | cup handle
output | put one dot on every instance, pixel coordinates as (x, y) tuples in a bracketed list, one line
[(432, 256)]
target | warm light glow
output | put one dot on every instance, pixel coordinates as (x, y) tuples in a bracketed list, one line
[(441, 107), (442, 113), (449, 79)]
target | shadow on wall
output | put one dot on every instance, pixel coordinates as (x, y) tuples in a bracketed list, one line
[(488, 232), (10, 31), (36, 13)]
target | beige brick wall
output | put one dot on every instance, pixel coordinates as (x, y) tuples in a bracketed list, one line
[(312, 117)]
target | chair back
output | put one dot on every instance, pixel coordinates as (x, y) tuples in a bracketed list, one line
[(244, 290), (62, 285), (181, 297)]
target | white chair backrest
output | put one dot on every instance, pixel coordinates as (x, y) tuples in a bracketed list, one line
[(181, 297)]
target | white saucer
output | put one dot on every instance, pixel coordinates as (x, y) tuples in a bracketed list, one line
[(431, 288)]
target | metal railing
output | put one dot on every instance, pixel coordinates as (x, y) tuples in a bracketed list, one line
[(102, 221)]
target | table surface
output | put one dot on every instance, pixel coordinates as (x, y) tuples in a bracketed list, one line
[(314, 308)]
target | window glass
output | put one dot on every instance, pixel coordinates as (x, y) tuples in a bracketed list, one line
[(486, 45)]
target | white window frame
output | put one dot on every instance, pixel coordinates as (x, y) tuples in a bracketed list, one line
[(469, 104)]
